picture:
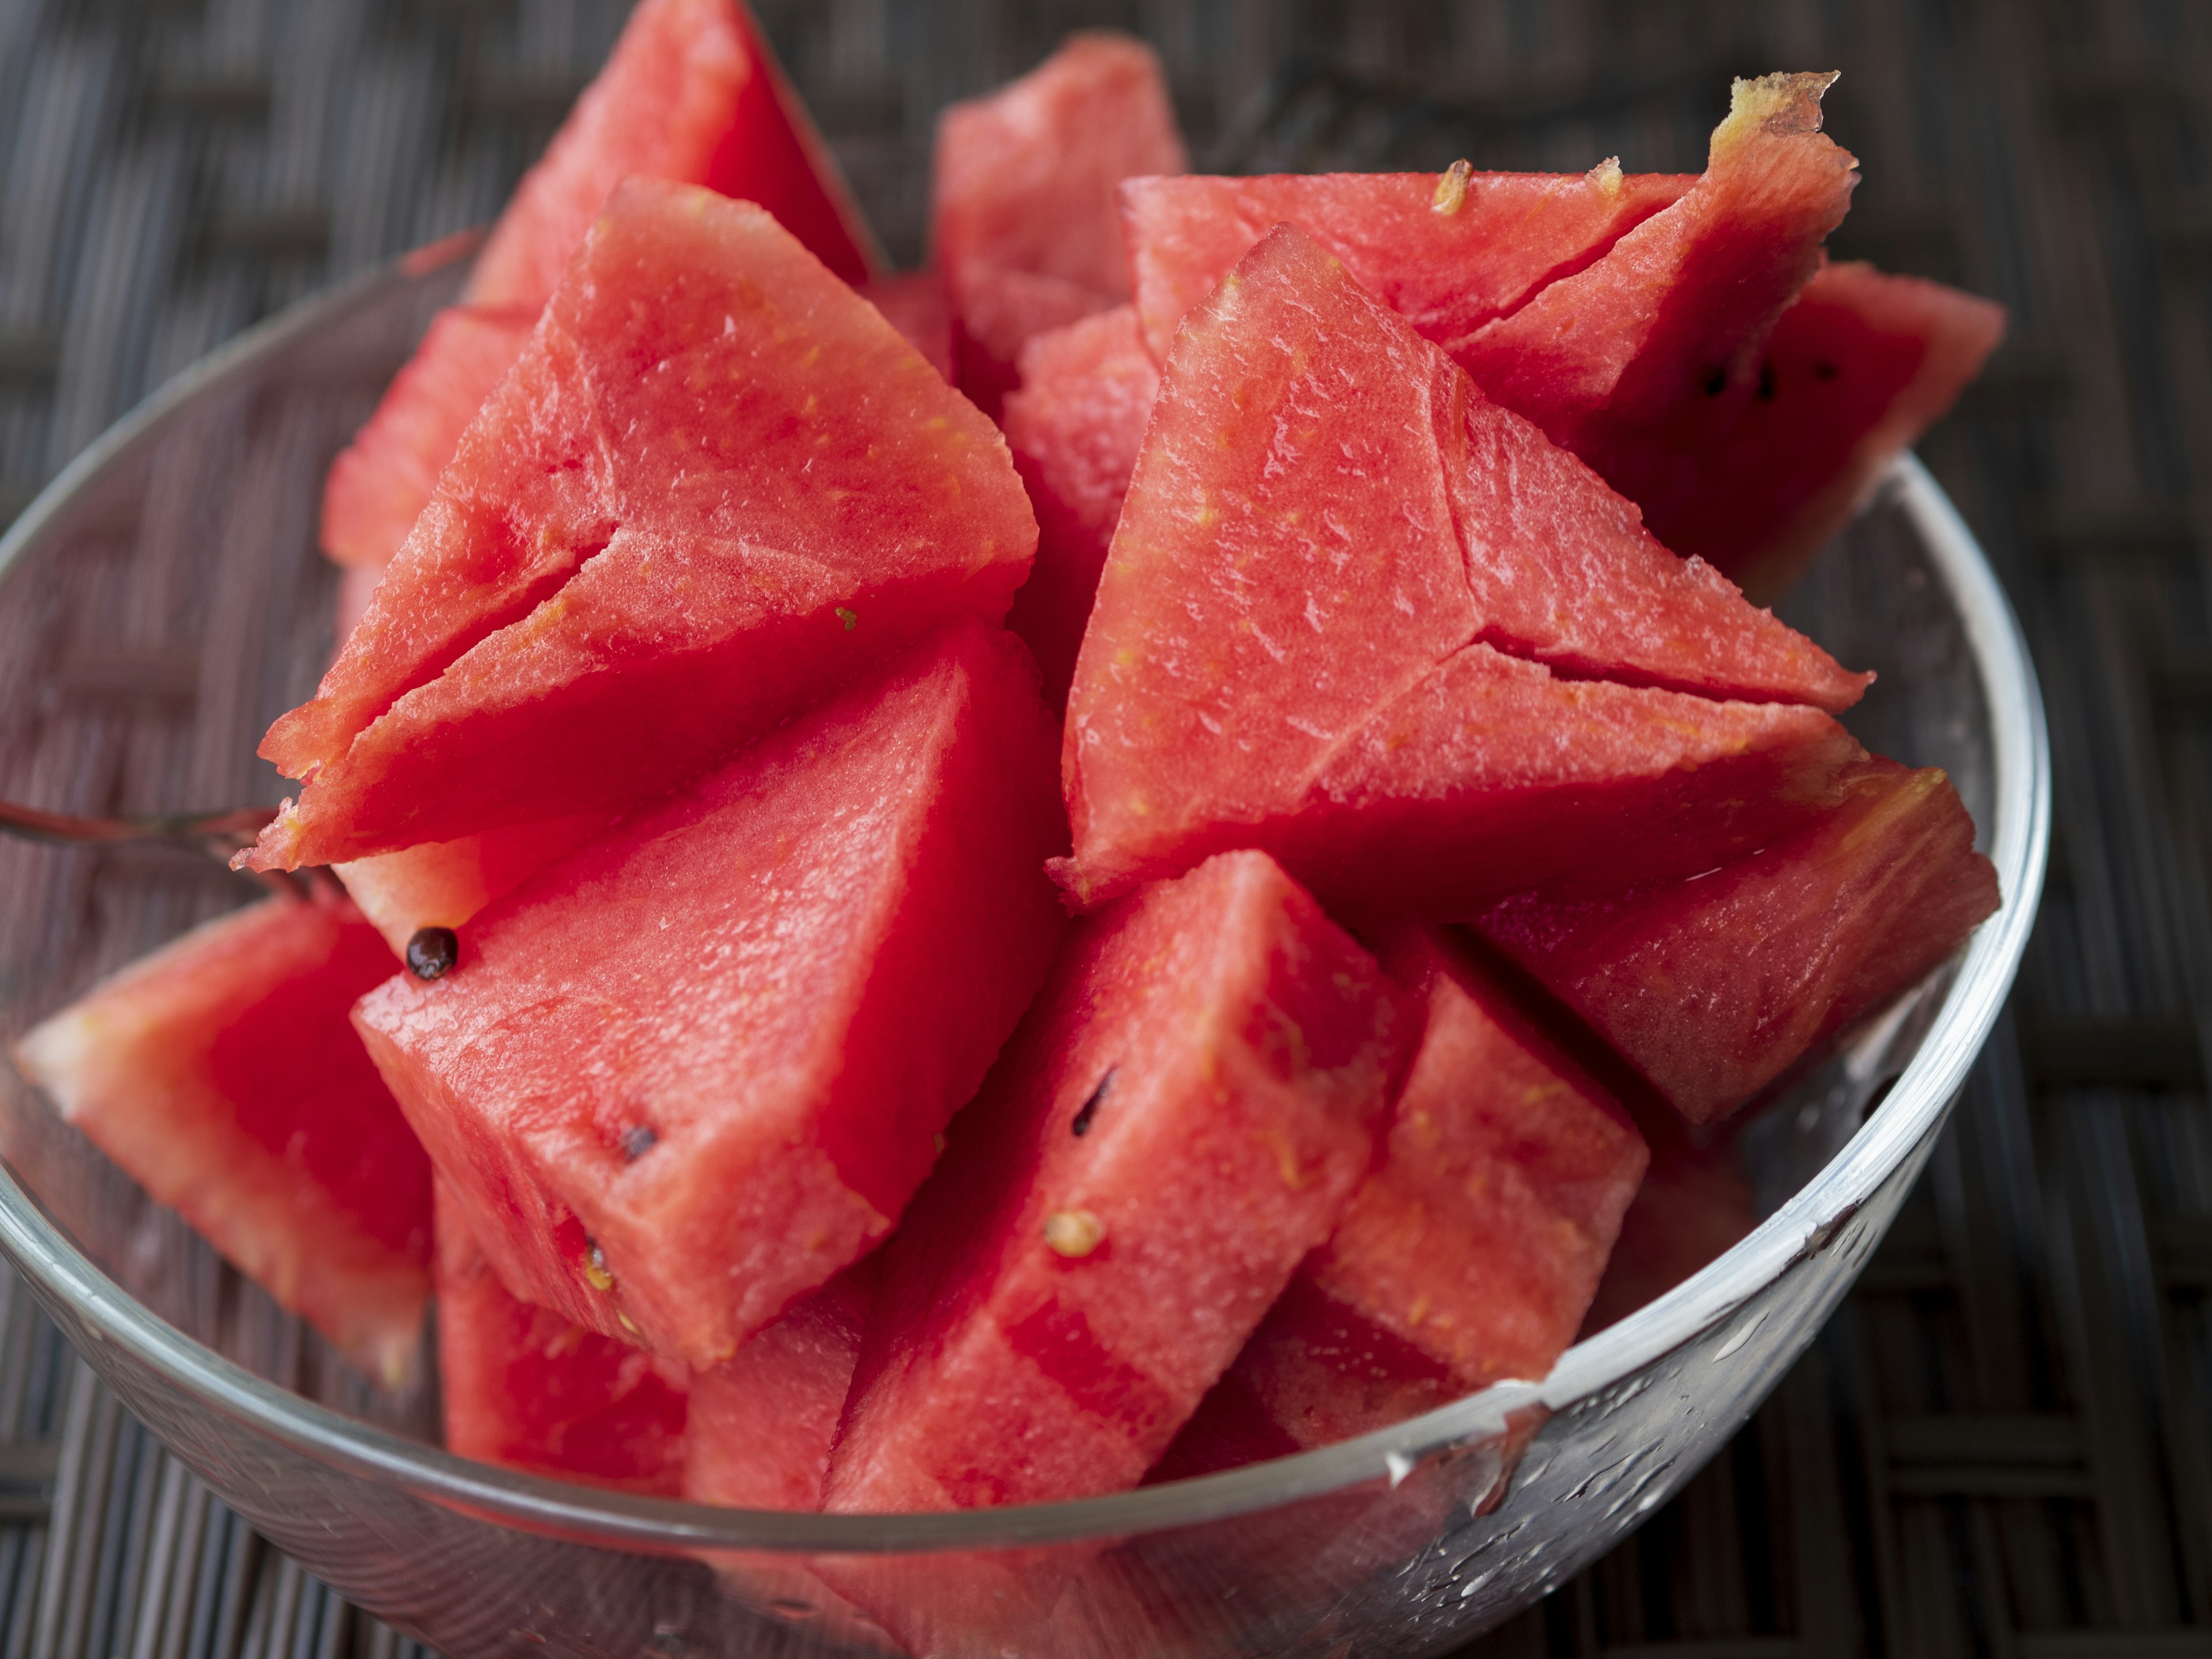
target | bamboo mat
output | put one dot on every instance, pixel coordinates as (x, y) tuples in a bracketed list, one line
[(2000, 1446)]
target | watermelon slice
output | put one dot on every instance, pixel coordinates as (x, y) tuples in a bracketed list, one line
[(763, 1421), (675, 523), (1859, 365), (1182, 1116), (1609, 360), (1312, 631), (1449, 253), (1023, 221), (1075, 427), (378, 484), (1714, 986), (691, 93), (1694, 1205), (915, 304), (220, 1073), (523, 1387), (1471, 1254), (684, 1077)]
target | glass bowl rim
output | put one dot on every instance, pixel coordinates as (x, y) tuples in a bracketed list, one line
[(1914, 1106)]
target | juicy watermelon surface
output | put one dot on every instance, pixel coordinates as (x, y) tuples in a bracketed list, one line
[(1307, 636), (1470, 1254), (1449, 254), (763, 1421), (1023, 221), (1714, 986), (1857, 367), (1075, 426), (1182, 1115), (577, 622), (683, 1078), (523, 1387), (1610, 360), (690, 94), (222, 1074)]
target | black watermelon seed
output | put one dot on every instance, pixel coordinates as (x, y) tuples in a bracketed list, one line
[(431, 952), (639, 1140), (1825, 371), (1081, 1125), (1716, 382), (1766, 381)]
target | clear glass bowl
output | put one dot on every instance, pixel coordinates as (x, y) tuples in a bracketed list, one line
[(163, 601)]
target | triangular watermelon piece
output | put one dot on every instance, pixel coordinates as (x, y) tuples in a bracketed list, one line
[(1181, 1117), (523, 1387), (690, 93), (1075, 427), (1449, 253), (686, 1076), (1713, 988), (1330, 542), (672, 525), (1858, 366), (763, 1421), (1677, 311), (1468, 1257), (222, 1074), (1023, 220)]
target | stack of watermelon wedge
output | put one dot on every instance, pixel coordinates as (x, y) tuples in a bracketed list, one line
[(1172, 925)]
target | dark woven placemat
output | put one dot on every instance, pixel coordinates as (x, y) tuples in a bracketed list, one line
[(2001, 1445)]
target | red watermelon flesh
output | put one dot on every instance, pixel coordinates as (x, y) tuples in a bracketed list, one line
[(1858, 366), (763, 1421), (1693, 1206), (1182, 1115), (1330, 536), (1714, 986), (220, 1073), (523, 1387), (443, 884), (1469, 1255), (1023, 221), (717, 486), (915, 304), (1447, 253), (378, 484), (684, 1077), (691, 94), (1676, 313), (1075, 426)]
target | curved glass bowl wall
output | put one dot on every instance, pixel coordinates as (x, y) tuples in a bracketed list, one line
[(163, 601)]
